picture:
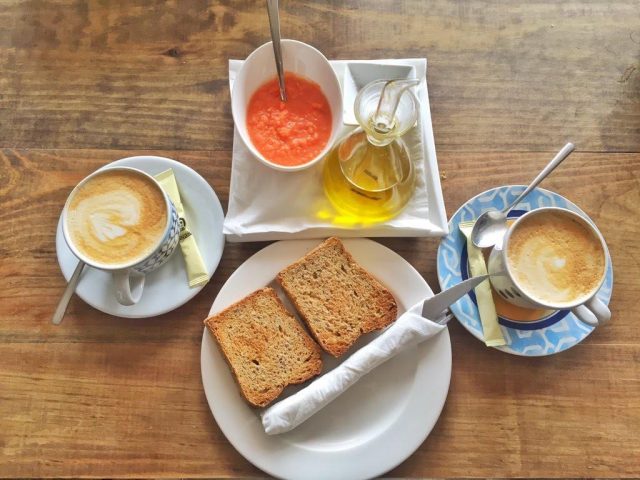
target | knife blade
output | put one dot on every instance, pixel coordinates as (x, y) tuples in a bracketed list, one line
[(434, 306)]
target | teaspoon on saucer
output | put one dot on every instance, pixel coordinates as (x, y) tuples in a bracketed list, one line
[(491, 226), (68, 292)]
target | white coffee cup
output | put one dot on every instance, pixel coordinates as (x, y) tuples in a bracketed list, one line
[(586, 307), (129, 272)]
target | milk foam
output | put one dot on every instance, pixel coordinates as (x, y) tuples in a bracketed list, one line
[(109, 215), (117, 217), (542, 266), (555, 259)]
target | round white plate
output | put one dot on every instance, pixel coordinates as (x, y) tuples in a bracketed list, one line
[(373, 426), (166, 288)]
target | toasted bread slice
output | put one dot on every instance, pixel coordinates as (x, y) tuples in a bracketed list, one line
[(265, 346), (336, 297)]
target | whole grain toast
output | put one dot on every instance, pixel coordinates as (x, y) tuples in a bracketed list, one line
[(336, 297), (265, 346)]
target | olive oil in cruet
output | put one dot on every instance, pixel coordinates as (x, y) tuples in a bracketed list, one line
[(369, 176)]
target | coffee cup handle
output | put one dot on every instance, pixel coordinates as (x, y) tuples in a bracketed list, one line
[(593, 312), (129, 285)]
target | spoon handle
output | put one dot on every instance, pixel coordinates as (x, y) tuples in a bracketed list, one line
[(66, 296), (274, 25), (557, 160)]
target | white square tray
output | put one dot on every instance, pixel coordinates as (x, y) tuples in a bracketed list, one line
[(265, 204)]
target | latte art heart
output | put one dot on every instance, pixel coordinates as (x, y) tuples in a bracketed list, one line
[(110, 215), (104, 229), (117, 217), (549, 267)]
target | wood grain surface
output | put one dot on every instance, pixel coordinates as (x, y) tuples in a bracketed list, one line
[(83, 83)]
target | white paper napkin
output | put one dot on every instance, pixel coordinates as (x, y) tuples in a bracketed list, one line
[(408, 330), (266, 204)]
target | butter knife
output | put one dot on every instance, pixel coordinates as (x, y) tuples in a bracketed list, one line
[(407, 331), (433, 307)]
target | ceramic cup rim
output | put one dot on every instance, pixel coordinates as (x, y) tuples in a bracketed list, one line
[(528, 296), (336, 120), (106, 266)]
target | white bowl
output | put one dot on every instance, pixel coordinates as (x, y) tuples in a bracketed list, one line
[(260, 67)]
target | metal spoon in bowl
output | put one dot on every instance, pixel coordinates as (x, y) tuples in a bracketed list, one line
[(274, 25), (491, 226)]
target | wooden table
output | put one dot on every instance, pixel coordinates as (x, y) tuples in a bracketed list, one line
[(84, 83)]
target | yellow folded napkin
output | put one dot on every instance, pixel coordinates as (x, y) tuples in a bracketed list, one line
[(490, 327)]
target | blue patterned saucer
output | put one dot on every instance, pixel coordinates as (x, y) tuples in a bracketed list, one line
[(548, 333)]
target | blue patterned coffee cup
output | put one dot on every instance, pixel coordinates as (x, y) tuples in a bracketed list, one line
[(129, 282), (129, 279)]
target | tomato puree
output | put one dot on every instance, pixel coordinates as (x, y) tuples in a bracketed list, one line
[(292, 132)]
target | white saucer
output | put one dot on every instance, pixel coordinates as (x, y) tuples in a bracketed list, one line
[(377, 423), (166, 288)]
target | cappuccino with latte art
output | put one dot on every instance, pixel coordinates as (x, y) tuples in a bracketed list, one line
[(556, 258), (117, 217)]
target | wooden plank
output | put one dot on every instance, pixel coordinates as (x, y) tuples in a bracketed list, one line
[(503, 76), (510, 416), (100, 396), (36, 183), (138, 409), (107, 397), (106, 409)]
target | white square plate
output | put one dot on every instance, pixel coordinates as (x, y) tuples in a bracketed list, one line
[(265, 204)]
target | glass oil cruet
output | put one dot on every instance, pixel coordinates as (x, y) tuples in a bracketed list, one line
[(368, 176)]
